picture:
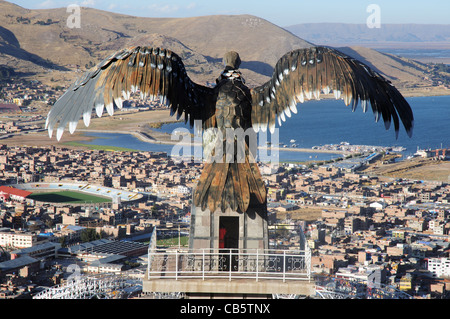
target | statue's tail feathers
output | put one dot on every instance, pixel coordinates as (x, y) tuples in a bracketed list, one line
[(229, 185)]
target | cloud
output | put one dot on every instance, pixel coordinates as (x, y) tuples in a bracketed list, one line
[(112, 6), (191, 5), (164, 8), (46, 4), (88, 3)]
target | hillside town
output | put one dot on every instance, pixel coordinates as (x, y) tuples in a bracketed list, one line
[(355, 224), (360, 224), (68, 211), (32, 98)]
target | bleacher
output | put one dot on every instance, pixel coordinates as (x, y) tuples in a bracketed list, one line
[(115, 194)]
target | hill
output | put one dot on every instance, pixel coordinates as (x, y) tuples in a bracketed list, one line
[(410, 76), (45, 33), (36, 41)]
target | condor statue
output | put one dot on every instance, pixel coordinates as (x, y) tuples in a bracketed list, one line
[(298, 76)]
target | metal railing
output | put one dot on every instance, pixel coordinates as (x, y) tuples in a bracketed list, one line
[(151, 249), (330, 287), (229, 264), (86, 287)]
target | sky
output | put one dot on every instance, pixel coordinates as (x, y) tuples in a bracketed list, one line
[(280, 12)]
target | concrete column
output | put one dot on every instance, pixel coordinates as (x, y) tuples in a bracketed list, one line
[(253, 228)]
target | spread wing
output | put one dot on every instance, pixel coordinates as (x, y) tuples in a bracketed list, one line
[(154, 72), (304, 74)]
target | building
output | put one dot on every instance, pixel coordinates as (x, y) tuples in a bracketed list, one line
[(102, 248), (18, 101), (72, 219), (353, 224), (378, 206), (374, 276), (287, 208), (42, 251), (17, 239), (110, 264), (439, 267), (11, 193), (23, 265), (71, 232), (405, 282), (183, 189), (9, 108)]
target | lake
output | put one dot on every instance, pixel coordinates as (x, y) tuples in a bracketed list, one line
[(331, 122), (418, 54)]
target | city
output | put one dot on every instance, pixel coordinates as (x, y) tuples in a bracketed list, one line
[(355, 224), (81, 221)]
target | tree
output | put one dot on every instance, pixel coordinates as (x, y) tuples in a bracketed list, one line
[(89, 234), (63, 241), (154, 210)]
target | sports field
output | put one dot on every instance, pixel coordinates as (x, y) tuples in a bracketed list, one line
[(69, 197), (184, 241)]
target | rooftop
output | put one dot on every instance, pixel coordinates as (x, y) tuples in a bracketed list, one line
[(107, 247), (17, 263), (14, 191), (36, 248), (9, 108)]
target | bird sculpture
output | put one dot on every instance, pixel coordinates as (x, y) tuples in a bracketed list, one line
[(298, 76)]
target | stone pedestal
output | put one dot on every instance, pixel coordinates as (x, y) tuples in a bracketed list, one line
[(229, 229)]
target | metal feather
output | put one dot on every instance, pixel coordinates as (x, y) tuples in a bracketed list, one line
[(304, 74)]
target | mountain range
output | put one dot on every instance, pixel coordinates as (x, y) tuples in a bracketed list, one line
[(403, 35), (41, 44)]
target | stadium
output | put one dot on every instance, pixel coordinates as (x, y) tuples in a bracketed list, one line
[(74, 193)]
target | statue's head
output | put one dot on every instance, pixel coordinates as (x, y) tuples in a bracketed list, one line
[(232, 60)]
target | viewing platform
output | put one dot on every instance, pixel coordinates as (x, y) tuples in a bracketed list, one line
[(228, 272)]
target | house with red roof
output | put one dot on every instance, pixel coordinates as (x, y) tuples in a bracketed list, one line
[(11, 193), (9, 108)]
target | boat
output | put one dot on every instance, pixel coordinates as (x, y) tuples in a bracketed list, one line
[(398, 149)]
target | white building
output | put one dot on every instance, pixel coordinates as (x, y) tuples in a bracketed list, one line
[(109, 264), (182, 189), (440, 267), (16, 239), (378, 205), (437, 227)]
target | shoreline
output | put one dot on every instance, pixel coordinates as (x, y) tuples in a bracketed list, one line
[(142, 137), (140, 124)]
